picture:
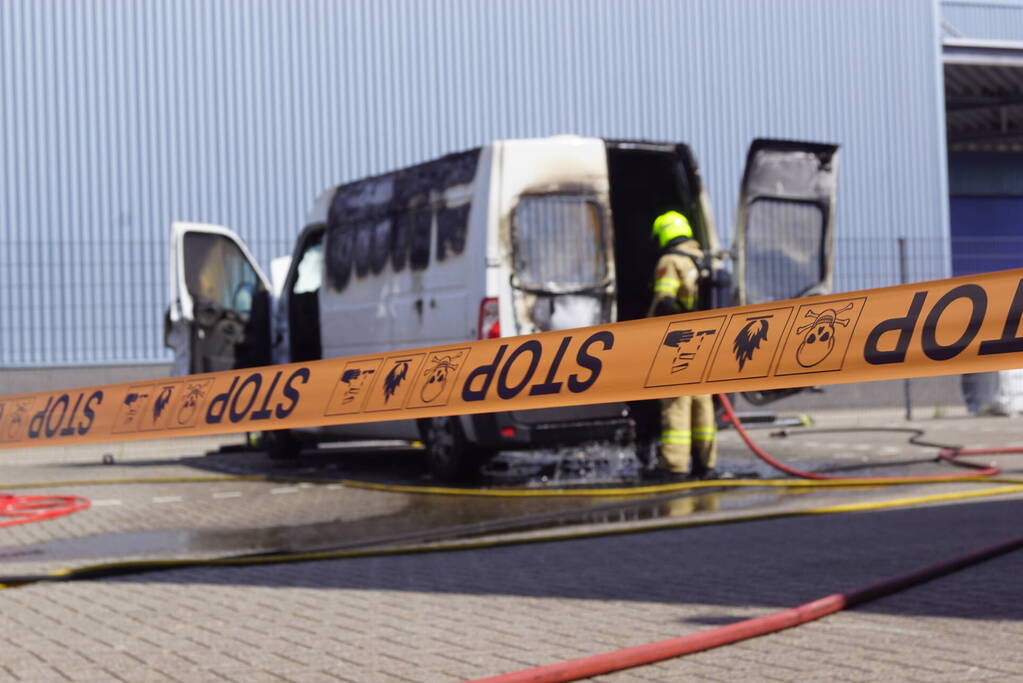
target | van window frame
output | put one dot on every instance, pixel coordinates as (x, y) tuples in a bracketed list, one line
[(752, 234), (587, 198)]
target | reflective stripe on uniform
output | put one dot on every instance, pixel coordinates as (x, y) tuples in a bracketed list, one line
[(689, 302), (678, 436), (704, 433), (667, 285)]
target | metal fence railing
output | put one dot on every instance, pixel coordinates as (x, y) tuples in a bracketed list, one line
[(86, 302), (866, 263), (102, 302)]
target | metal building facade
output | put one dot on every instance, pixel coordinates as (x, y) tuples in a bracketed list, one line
[(119, 116), (984, 19)]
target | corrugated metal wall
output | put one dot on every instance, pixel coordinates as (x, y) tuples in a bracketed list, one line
[(984, 19), (118, 116)]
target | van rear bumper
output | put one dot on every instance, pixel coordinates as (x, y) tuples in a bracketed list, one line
[(552, 426)]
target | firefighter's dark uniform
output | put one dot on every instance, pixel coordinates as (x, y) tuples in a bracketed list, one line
[(688, 425)]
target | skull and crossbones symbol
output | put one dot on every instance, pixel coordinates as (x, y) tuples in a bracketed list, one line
[(820, 335), (438, 372)]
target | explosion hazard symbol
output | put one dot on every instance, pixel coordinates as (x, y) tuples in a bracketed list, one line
[(684, 351), (750, 343), (393, 384), (819, 338), (435, 381), (352, 386), (134, 405)]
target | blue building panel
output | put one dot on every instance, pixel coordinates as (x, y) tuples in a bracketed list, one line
[(119, 116)]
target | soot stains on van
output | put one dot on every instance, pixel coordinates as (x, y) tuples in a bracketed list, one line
[(419, 248), (452, 224), (395, 212)]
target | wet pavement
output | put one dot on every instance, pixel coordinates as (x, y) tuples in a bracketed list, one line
[(509, 606), (188, 499)]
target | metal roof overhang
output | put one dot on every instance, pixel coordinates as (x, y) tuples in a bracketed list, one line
[(983, 94)]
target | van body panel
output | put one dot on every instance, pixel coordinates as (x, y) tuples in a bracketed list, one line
[(424, 297)]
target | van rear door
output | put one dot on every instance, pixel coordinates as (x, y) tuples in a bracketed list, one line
[(784, 233), (219, 315)]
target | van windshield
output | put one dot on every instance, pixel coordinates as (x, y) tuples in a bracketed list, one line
[(559, 244), (560, 256)]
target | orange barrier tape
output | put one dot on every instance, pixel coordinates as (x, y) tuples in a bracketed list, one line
[(965, 324)]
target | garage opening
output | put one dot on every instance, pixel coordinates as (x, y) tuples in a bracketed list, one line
[(984, 118)]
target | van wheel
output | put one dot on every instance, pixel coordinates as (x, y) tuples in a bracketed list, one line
[(449, 455), (281, 446)]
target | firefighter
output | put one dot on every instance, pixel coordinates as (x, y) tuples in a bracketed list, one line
[(688, 441)]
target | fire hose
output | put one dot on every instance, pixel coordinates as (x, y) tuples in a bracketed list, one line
[(639, 655), (24, 509), (948, 454), (608, 662)]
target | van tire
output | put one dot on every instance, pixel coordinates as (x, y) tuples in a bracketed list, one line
[(281, 446), (449, 455)]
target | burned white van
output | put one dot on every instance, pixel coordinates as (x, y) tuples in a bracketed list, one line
[(516, 237)]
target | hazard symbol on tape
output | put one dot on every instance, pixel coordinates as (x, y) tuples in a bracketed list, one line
[(818, 339), (749, 344), (684, 352), (438, 376), (350, 392), (393, 384)]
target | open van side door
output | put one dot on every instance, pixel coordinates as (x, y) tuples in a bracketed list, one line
[(784, 232), (219, 315)]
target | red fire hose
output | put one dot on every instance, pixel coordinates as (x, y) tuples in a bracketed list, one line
[(24, 509), (948, 454), (596, 665)]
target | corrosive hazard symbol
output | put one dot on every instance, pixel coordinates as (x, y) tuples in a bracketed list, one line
[(959, 325)]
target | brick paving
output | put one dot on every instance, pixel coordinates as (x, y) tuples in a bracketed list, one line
[(454, 616), (457, 615)]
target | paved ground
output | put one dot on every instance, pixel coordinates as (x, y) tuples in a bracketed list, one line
[(459, 615)]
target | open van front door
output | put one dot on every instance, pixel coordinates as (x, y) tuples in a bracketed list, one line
[(219, 315), (784, 230)]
